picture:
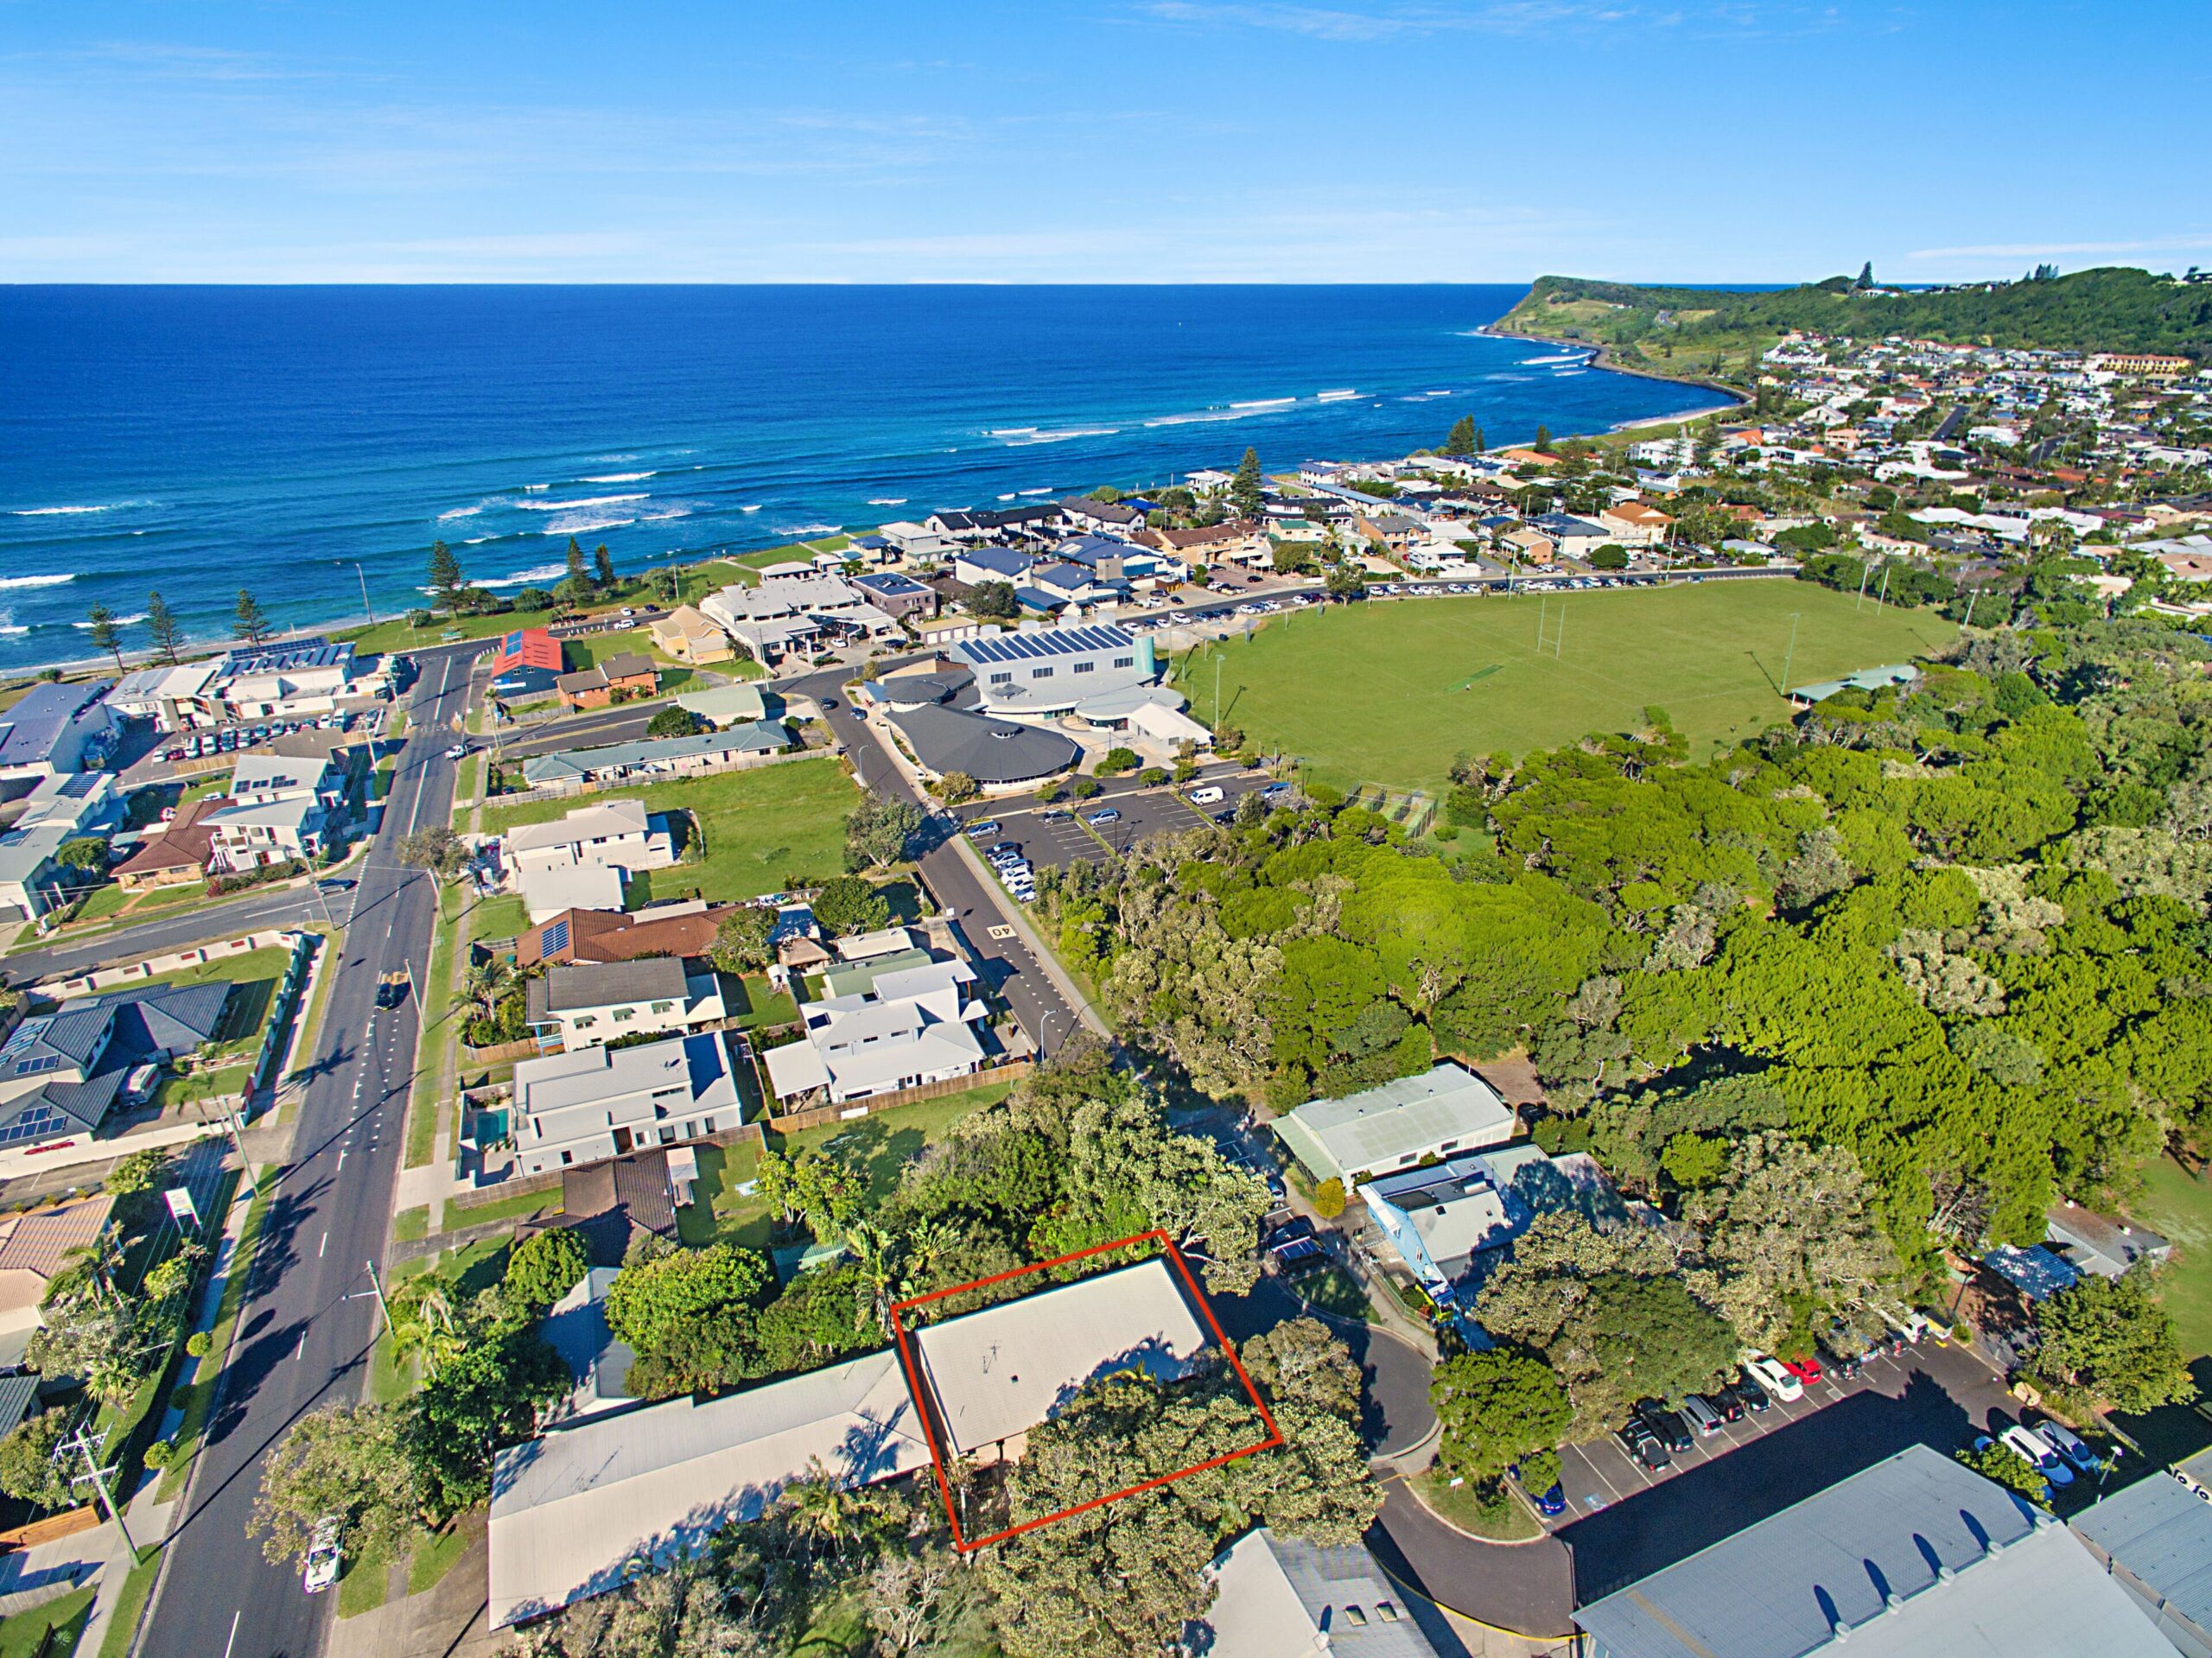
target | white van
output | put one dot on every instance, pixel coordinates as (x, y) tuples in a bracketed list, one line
[(1207, 795)]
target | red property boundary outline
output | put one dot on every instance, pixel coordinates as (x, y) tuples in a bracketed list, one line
[(920, 1393)]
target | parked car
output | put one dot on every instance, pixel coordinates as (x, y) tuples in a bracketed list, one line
[(1003, 849), (1104, 814), (1550, 1503), (1702, 1416), (1638, 1440), (1982, 1442), (1748, 1394), (988, 826), (2038, 1453), (140, 1084), (1806, 1370), (1771, 1376), (1275, 792), (1723, 1399), (1844, 1355), (326, 1554), (1206, 795), (1670, 1429), (1053, 815), (2069, 1444)]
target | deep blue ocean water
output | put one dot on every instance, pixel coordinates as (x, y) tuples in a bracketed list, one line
[(193, 440)]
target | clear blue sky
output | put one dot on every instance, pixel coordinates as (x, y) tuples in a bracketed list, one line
[(1097, 140)]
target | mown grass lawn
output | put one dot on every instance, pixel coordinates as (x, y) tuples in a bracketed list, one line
[(880, 1145), (24, 1635), (1391, 691), (2178, 1205), (762, 828)]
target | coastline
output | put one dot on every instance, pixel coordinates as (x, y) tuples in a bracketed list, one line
[(345, 622), (1602, 356)]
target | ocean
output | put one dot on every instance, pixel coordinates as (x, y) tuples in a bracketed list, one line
[(195, 441)]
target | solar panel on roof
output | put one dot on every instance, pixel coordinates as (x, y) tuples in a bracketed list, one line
[(556, 939)]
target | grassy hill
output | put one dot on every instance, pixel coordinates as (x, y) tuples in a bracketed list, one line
[(1700, 333), (1390, 692)]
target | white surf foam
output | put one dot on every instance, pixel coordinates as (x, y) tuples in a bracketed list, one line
[(1267, 403), (616, 478), (13, 581), (523, 579), (120, 621), (583, 526), (581, 501), (70, 511), (887, 500)]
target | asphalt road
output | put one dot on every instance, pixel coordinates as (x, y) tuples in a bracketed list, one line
[(982, 910), (1068, 835), (305, 1331), (288, 907)]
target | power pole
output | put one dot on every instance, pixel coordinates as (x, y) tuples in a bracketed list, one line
[(82, 1443), (1971, 597), (376, 1286), (1864, 571), (1789, 653), (1885, 592)]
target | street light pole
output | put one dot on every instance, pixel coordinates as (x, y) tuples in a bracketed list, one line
[(363, 575), (83, 1445)]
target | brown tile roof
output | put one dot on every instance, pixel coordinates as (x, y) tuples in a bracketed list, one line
[(183, 842), (39, 1240), (603, 936), (610, 1202)]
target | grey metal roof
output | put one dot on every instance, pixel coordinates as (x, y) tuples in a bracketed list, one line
[(758, 736), (990, 751), (30, 730), (1914, 1556), (1043, 643), (607, 984), (2162, 1533), (18, 1393), (1374, 1129)]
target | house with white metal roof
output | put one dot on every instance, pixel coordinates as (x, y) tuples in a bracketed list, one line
[(574, 1108), (582, 1509), (911, 1025), (994, 1375), (1445, 1109), (1285, 1598), (615, 834)]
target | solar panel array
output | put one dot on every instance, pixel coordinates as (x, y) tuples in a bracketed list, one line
[(1059, 642), (33, 1124), (556, 938)]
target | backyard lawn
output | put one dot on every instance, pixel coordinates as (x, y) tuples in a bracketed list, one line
[(2179, 1205), (763, 829), (1390, 692), (882, 1145)]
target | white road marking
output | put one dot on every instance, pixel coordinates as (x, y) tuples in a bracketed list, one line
[(233, 1640), (324, 1245), (302, 1351)]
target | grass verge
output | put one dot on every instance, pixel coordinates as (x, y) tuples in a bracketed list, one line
[(1494, 1513), (186, 1442), (24, 1635)]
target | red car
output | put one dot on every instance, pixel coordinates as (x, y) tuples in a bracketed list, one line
[(1807, 1370)]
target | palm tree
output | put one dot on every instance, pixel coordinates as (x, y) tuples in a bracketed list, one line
[(486, 982), (825, 1510)]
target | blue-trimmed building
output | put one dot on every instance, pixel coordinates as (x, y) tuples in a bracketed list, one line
[(1045, 672)]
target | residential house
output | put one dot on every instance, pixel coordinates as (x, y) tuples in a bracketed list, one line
[(1285, 1598), (1233, 542), (594, 888), (591, 935), (734, 704), (174, 854), (35, 1245), (697, 755), (915, 544), (279, 808), (2097, 1243), (62, 1073), (526, 662), (686, 635), (1442, 1220), (796, 615), (597, 1102), (55, 729), (618, 834), (1445, 1109), (1529, 546), (618, 679), (899, 597), (60, 808), (1102, 517), (582, 1510), (1917, 1554), (1635, 524), (588, 1004), (914, 1025), (617, 1203), (599, 1364), (1393, 530), (993, 1375), (1572, 537), (973, 567)]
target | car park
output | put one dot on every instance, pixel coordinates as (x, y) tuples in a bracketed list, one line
[(2038, 1453), (1004, 849), (1784, 1387)]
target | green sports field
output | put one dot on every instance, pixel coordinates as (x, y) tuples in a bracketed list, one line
[(1390, 691)]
